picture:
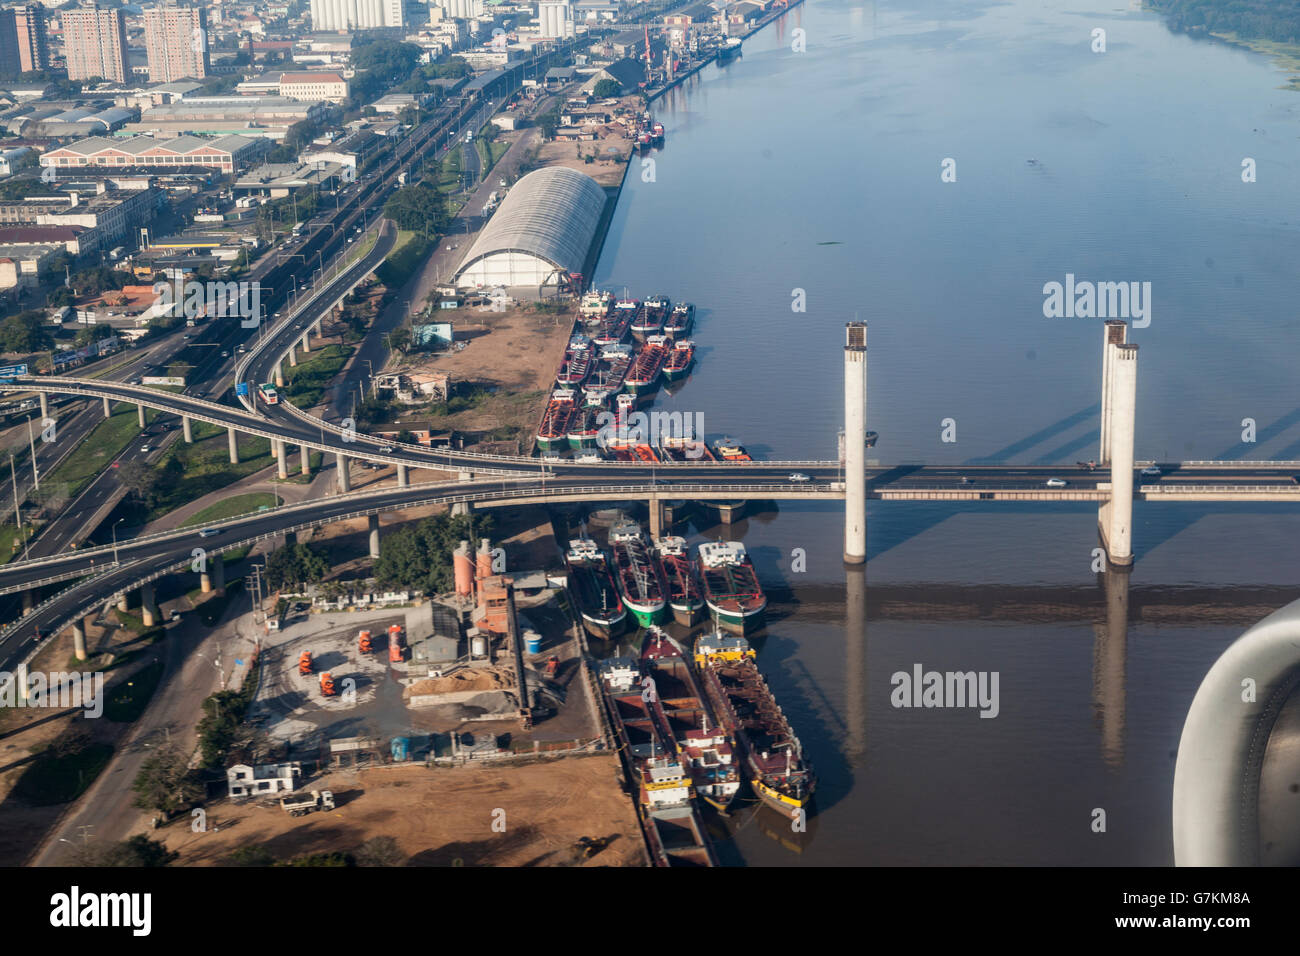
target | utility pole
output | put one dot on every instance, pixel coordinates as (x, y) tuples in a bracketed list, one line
[(31, 443)]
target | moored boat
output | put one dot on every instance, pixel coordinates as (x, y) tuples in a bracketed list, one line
[(596, 304), (648, 365), (610, 374), (776, 768), (680, 357), (732, 591), (731, 450), (593, 589), (577, 363), (680, 319), (650, 317), (614, 327), (638, 572), (584, 427), (554, 428), (685, 596)]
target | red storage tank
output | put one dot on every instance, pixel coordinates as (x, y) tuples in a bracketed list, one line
[(395, 643), (463, 563)]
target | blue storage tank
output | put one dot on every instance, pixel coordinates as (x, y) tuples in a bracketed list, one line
[(533, 642), (401, 747)]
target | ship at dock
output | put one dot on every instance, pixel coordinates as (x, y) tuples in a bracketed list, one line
[(595, 305), (647, 367), (609, 374), (638, 572), (685, 596), (705, 746), (776, 768), (584, 427), (670, 822), (615, 326), (593, 589), (680, 357), (730, 48), (578, 360), (680, 320), (554, 428), (650, 317), (731, 587)]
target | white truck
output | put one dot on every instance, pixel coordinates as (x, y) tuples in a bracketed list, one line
[(301, 804)]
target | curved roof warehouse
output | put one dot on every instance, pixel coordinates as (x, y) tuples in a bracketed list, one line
[(544, 228)]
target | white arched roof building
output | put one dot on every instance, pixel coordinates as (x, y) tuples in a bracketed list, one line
[(544, 229)]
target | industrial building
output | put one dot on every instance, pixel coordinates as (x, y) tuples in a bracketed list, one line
[(542, 233), (224, 153)]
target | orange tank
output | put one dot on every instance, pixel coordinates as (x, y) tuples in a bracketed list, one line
[(364, 642), (395, 643), (304, 663), (463, 563), (484, 559), (327, 684)]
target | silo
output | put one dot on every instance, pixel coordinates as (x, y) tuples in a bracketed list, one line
[(463, 563)]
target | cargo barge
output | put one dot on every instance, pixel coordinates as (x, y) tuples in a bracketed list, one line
[(638, 572), (671, 824), (648, 365), (554, 428), (610, 373), (680, 319), (593, 589), (776, 768), (680, 357), (684, 718), (650, 317), (578, 360), (685, 596), (731, 587)]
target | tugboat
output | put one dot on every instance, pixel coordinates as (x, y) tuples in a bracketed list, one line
[(731, 588), (685, 597), (680, 357), (706, 746), (595, 305), (778, 772), (639, 573), (730, 450), (554, 428), (680, 319), (646, 368), (603, 614)]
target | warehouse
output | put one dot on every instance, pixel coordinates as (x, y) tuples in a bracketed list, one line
[(542, 233)]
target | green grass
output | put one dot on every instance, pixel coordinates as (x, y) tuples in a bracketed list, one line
[(407, 256), (306, 382), (231, 507), (207, 467), (106, 442), (59, 778), (129, 700), (11, 543)]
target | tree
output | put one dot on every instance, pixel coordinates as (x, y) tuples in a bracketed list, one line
[(548, 122), (92, 333), (417, 208), (418, 556), (138, 851), (380, 851), (165, 783), (255, 855), (24, 333), (606, 89), (293, 566)]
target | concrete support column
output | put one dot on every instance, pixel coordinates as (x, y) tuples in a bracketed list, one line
[(403, 476), (108, 408), (461, 508), (79, 640), (1114, 333), (374, 536), (341, 463), (233, 441), (188, 428), (217, 568), (28, 602), (855, 444), (279, 376), (205, 582), (293, 355), (318, 328), (656, 519), (122, 604), (304, 455), (1123, 415), (306, 341), (45, 404), (139, 411), (281, 459), (148, 607)]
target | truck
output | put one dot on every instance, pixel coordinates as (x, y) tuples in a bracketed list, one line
[(297, 230), (301, 804), (268, 394)]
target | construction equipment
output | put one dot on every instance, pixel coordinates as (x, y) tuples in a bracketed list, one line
[(395, 644), (327, 684), (364, 643), (304, 663), (551, 666), (301, 804)]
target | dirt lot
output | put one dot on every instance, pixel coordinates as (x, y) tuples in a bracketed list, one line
[(442, 816), (517, 352), (607, 171)]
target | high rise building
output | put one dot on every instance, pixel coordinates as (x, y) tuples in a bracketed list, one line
[(355, 14), (24, 44), (94, 44), (176, 40)]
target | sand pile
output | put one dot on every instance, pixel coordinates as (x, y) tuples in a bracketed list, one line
[(470, 679)]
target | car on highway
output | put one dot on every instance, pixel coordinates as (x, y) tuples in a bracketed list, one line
[(1056, 482), (1151, 471), (799, 476), (1295, 479), (225, 353), (209, 532), (175, 615), (146, 448), (966, 481)]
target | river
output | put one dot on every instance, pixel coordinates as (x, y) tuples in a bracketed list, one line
[(821, 171)]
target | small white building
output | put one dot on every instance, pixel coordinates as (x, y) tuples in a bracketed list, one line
[(243, 780)]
